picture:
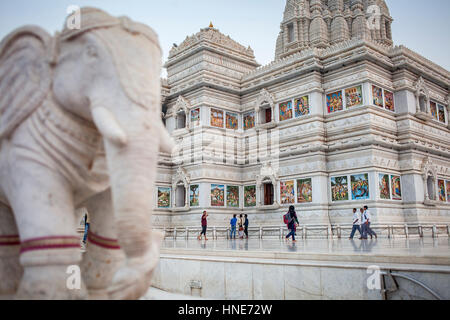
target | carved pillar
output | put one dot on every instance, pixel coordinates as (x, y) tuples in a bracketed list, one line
[(296, 37), (448, 112)]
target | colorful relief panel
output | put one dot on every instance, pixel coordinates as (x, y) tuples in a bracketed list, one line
[(285, 111), (233, 196), (304, 190), (195, 117), (377, 94), (389, 100), (287, 192), (385, 190), (249, 121), (433, 109), (441, 112), (396, 188), (339, 188), (334, 102), (217, 118), (194, 194), (360, 186), (231, 121), (448, 190), (441, 190), (353, 97), (301, 106), (163, 197), (217, 195), (250, 196)]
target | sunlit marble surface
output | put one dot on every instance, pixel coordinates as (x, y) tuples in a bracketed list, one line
[(308, 269), (399, 247)]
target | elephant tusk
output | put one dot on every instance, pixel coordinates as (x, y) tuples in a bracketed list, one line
[(166, 143), (108, 126)]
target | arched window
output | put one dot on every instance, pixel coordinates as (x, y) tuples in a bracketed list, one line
[(423, 103), (181, 119), (429, 181), (265, 108), (265, 114), (290, 30), (388, 30), (181, 112), (266, 183), (268, 193), (180, 186), (422, 100), (180, 195)]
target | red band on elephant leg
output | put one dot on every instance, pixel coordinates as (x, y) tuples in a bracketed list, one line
[(13, 240), (48, 243), (106, 243)]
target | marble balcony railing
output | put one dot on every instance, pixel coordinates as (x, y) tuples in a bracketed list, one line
[(312, 231)]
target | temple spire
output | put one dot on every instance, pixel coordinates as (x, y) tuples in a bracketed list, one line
[(319, 23)]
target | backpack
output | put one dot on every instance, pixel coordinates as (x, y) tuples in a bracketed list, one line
[(287, 218)]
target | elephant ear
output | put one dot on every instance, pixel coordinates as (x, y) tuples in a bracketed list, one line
[(25, 75)]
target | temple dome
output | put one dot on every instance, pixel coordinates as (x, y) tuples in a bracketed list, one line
[(212, 38), (321, 23)]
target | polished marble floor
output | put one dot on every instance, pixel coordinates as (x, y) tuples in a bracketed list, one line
[(439, 247)]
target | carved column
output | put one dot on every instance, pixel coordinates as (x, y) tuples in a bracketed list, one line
[(448, 112)]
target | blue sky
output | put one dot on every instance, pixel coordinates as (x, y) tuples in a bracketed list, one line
[(423, 26)]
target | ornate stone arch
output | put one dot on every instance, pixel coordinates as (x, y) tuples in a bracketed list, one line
[(181, 178), (429, 174), (182, 105), (422, 100), (264, 98), (267, 173)]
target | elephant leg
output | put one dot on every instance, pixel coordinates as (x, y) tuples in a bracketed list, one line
[(42, 201), (10, 269), (103, 256)]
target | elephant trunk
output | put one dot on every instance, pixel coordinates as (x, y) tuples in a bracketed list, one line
[(132, 166), (133, 137)]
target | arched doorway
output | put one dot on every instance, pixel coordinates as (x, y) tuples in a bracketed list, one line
[(180, 187), (268, 193), (180, 196), (181, 119)]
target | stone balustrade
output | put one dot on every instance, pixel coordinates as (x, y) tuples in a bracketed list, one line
[(389, 231)]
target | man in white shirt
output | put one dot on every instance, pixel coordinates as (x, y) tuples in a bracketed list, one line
[(368, 221), (356, 223), (363, 225)]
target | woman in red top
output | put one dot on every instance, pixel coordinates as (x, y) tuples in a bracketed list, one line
[(204, 225)]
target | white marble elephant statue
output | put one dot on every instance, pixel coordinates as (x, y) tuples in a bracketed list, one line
[(80, 126)]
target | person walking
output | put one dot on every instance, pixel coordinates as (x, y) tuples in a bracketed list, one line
[(204, 226), (363, 225), (356, 223), (241, 227), (233, 222), (368, 222), (87, 223), (292, 223), (246, 226)]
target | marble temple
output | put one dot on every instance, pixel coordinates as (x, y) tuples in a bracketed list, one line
[(341, 118)]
